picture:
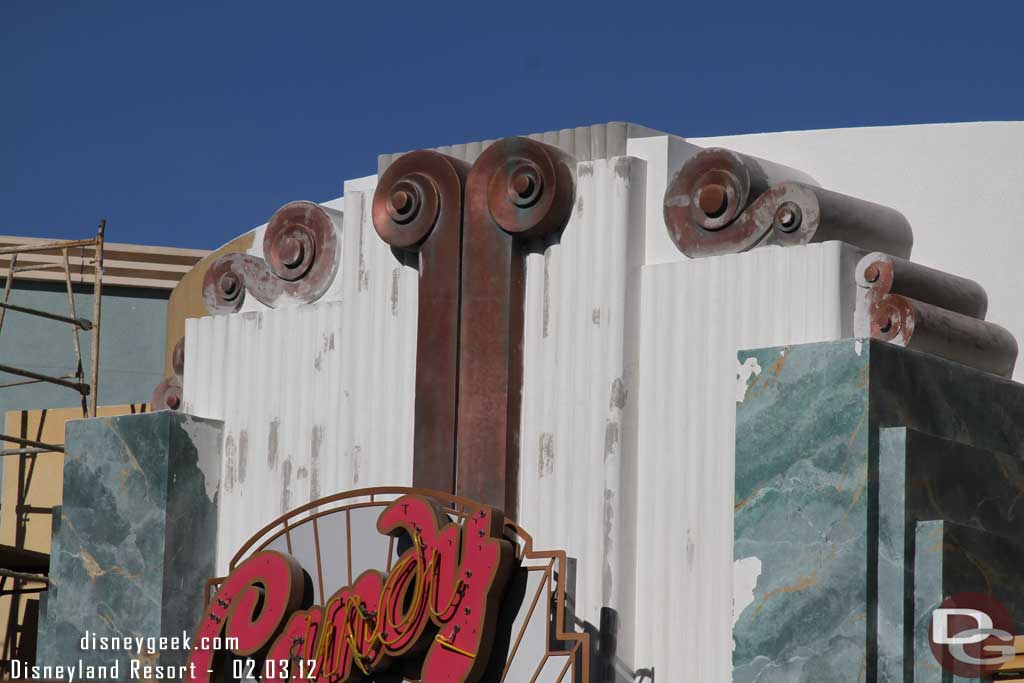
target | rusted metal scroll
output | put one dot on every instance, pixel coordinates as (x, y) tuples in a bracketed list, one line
[(722, 202), (168, 394), (927, 310), (517, 190), (417, 207), (301, 254)]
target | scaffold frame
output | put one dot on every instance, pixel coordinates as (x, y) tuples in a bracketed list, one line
[(87, 385)]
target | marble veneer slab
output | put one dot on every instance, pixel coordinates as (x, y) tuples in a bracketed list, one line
[(806, 542), (950, 559), (136, 535), (801, 513), (921, 478)]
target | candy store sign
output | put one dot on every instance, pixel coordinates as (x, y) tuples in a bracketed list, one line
[(435, 609)]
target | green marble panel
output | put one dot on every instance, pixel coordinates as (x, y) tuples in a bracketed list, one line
[(824, 493), (802, 474), (951, 559), (946, 399), (136, 533), (922, 477), (927, 594), (892, 554)]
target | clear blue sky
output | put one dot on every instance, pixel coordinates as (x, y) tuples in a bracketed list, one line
[(187, 124)]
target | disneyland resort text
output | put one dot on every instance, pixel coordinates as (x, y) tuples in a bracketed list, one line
[(141, 667)]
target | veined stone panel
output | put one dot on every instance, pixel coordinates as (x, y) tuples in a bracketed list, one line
[(134, 537), (828, 490), (922, 477)]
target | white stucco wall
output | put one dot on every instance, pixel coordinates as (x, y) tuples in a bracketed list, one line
[(613, 299)]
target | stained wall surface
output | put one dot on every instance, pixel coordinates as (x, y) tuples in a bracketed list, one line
[(315, 399), (630, 377)]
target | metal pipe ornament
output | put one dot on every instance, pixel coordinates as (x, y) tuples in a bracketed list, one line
[(518, 190), (927, 310), (723, 202), (302, 251), (417, 208)]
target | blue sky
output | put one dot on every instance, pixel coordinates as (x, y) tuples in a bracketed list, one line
[(187, 124)]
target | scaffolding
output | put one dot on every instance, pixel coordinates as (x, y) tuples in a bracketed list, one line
[(87, 388), (24, 571)]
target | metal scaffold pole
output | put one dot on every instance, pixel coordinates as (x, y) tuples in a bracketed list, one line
[(87, 388), (97, 302), (27, 573)]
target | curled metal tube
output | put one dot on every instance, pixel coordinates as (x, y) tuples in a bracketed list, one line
[(419, 194), (883, 274), (518, 189), (916, 325), (168, 393), (721, 202), (301, 255), (528, 188), (417, 207), (178, 357), (927, 310)]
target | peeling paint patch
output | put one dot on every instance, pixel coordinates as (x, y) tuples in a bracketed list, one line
[(230, 454), (595, 316), (357, 451), (395, 275), (546, 454), (315, 445), (275, 425), (611, 438), (619, 394), (612, 426), (608, 578), (243, 455), (585, 169), (858, 346), (744, 372), (207, 442), (363, 282), (286, 488), (326, 344), (745, 573), (301, 473)]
